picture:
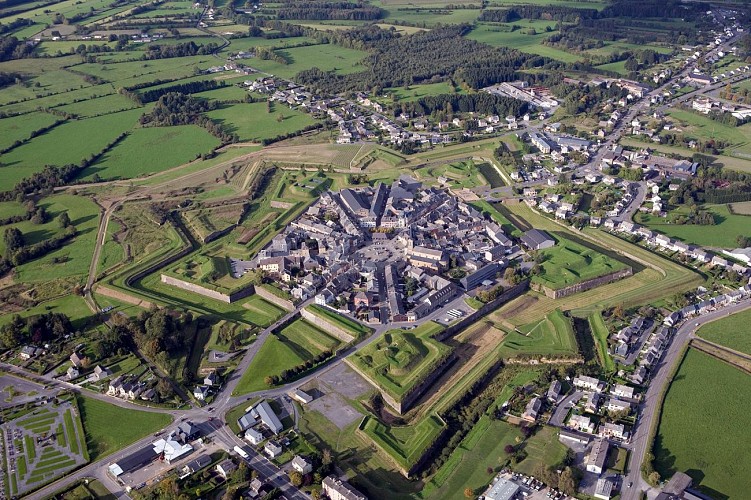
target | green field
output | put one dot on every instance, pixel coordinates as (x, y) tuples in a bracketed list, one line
[(252, 122), (568, 263), (72, 305), (723, 233), (617, 67), (552, 336), (405, 444), (707, 401), (19, 128), (153, 149), (104, 437), (296, 343), (64, 145), (527, 39), (354, 327), (600, 334), (400, 359), (543, 448), (415, 92), (99, 106), (324, 57), (703, 127), (731, 331)]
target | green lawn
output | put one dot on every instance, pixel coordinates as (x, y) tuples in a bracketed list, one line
[(618, 67), (109, 428), (72, 305), (400, 359), (153, 149), (542, 448), (600, 334), (64, 145), (568, 263), (325, 57), (11, 209), (260, 311), (705, 427), (723, 234), (553, 335), (415, 92), (295, 344), (252, 122), (354, 327), (731, 331), (405, 444)]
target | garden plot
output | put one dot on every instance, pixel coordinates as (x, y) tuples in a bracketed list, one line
[(43, 445)]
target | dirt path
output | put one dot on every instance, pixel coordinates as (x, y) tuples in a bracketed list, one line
[(122, 297), (470, 349)]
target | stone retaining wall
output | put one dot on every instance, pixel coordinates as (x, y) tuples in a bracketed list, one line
[(285, 304), (327, 326), (585, 285), (206, 292)]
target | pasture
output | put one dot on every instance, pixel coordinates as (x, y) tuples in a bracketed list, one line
[(415, 92), (63, 145), (706, 401), (703, 127), (253, 122), (731, 331), (103, 438), (150, 150), (728, 226), (400, 358), (19, 128), (527, 38), (325, 57), (295, 344), (551, 336), (568, 263)]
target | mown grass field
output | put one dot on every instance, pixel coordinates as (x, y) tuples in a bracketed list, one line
[(296, 343), (325, 57), (707, 401), (103, 438), (722, 234), (252, 122), (415, 92), (731, 331), (553, 335), (542, 449), (399, 359), (568, 263), (135, 155), (346, 324), (405, 444)]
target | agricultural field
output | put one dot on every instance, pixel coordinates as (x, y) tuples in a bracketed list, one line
[(426, 17), (568, 263), (295, 344), (552, 336), (324, 57), (706, 401), (19, 128), (731, 331), (700, 126), (62, 145), (728, 226), (102, 438), (135, 155), (527, 38), (252, 122), (400, 358)]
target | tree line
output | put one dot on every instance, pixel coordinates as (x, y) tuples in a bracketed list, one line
[(178, 50), (175, 108), (482, 102)]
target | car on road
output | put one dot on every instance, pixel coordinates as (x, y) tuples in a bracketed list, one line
[(629, 484)]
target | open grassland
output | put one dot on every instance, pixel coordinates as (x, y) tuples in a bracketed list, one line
[(703, 127), (527, 38), (98, 106), (74, 257), (252, 122), (544, 449), (153, 149), (459, 175), (71, 305), (568, 263), (426, 17), (104, 438), (325, 57), (19, 128), (293, 345), (706, 401), (723, 233), (732, 331), (130, 72), (11, 209), (588, 4), (415, 92), (64, 145), (400, 359), (617, 67), (552, 336)]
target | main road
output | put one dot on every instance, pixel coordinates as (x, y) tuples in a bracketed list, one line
[(640, 442)]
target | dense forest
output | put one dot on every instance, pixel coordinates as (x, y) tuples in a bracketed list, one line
[(175, 108), (424, 57), (483, 103), (320, 10)]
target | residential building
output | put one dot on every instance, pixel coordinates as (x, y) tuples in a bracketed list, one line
[(272, 449), (200, 392), (581, 423), (302, 465), (226, 467), (554, 391), (336, 489), (533, 409), (612, 431), (597, 456), (253, 436), (589, 383), (622, 391), (535, 239)]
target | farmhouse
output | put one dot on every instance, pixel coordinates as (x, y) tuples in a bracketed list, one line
[(535, 239)]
